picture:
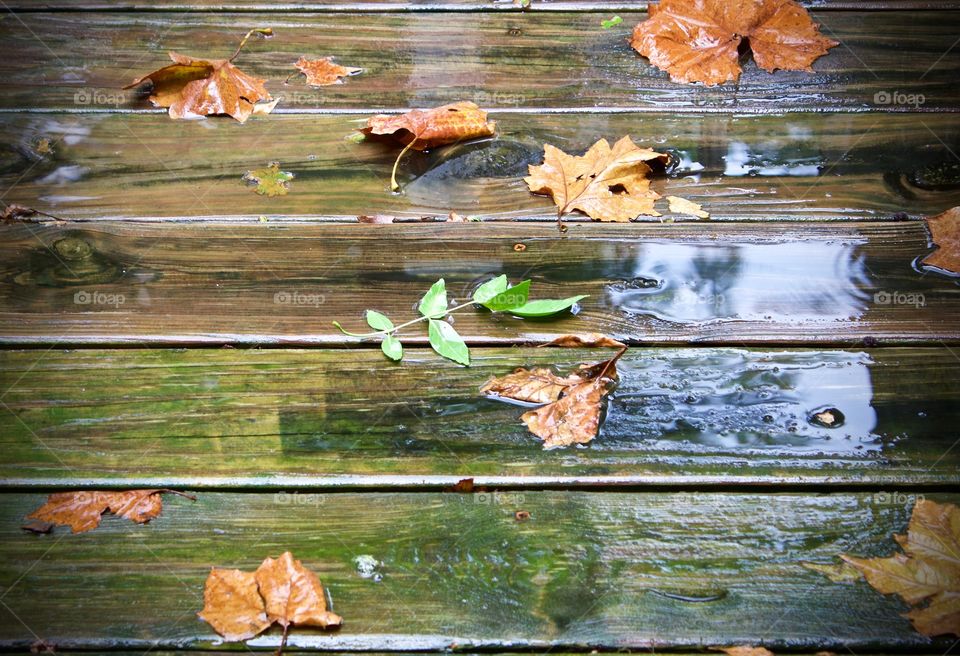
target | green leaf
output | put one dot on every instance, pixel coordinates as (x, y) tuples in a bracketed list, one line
[(511, 298), (392, 348), (434, 302), (491, 288), (269, 181), (445, 341), (546, 307), (378, 321), (613, 22)]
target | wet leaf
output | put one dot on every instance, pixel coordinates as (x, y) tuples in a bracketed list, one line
[(837, 572), (510, 298), (539, 385), (269, 181), (611, 22), (490, 289), (82, 510), (378, 321), (240, 605), (945, 233), (434, 302), (445, 341), (392, 348), (293, 594), (546, 307), (322, 72), (927, 574), (195, 88), (683, 206), (697, 40), (586, 340), (606, 184), (232, 604), (573, 419), (428, 128)]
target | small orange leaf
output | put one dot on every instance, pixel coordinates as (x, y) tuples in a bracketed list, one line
[(82, 510), (322, 72), (945, 232), (573, 419), (293, 594), (698, 40), (426, 128), (606, 184), (232, 604)]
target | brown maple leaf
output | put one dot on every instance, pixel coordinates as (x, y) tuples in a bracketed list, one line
[(928, 570), (606, 184), (945, 233), (193, 88), (421, 129), (698, 40), (323, 72), (240, 605), (573, 403), (82, 510)]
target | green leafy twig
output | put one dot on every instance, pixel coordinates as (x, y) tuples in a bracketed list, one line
[(496, 295)]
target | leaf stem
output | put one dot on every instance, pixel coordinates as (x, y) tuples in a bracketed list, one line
[(612, 361), (262, 31), (393, 176), (403, 325)]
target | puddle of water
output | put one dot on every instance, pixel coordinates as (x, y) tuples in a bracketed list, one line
[(693, 282)]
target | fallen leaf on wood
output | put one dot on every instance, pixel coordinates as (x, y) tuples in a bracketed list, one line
[(586, 340), (14, 213), (573, 403), (463, 486), (421, 129), (82, 510), (928, 570), (945, 233), (837, 572), (322, 72), (232, 604), (606, 184), (194, 88), (745, 651), (697, 40), (269, 181), (683, 206), (38, 526), (240, 605)]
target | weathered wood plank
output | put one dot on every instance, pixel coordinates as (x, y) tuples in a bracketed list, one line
[(833, 166), (725, 283), (427, 5), (504, 60), (585, 571), (292, 418)]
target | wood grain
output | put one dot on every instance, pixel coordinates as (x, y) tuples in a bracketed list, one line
[(585, 570), (302, 419), (796, 167), (800, 283), (504, 60)]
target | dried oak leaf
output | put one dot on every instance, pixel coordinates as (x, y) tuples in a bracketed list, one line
[(293, 594), (573, 419), (606, 184), (82, 510), (945, 233), (697, 40), (321, 72), (538, 385), (421, 129), (928, 570), (193, 88), (232, 604)]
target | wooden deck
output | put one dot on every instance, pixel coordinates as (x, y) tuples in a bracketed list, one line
[(685, 525)]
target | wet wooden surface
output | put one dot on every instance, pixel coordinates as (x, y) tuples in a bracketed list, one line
[(500, 60), (586, 569), (732, 283), (682, 526), (797, 167), (304, 418)]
